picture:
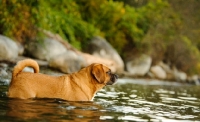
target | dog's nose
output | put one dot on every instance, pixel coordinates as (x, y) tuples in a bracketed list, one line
[(116, 76), (113, 79)]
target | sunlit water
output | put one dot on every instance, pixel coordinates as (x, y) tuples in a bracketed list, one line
[(127, 100)]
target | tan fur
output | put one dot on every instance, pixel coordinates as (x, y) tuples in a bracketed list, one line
[(24, 63), (78, 86)]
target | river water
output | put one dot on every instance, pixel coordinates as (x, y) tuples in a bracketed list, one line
[(140, 100), (127, 100)]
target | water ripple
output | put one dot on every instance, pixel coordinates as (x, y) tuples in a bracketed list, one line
[(130, 101)]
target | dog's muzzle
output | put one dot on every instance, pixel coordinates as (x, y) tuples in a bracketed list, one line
[(113, 79)]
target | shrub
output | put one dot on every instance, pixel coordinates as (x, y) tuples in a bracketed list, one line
[(183, 54), (63, 17), (117, 22), (16, 19), (152, 27), (161, 28)]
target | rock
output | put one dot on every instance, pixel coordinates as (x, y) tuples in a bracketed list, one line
[(40, 62), (139, 66), (168, 70), (28, 69), (21, 49), (89, 59), (194, 79), (3, 69), (67, 62), (46, 49), (165, 67), (179, 75), (3, 72), (158, 72), (8, 48), (101, 48)]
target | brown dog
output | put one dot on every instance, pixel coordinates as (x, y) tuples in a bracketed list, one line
[(78, 86)]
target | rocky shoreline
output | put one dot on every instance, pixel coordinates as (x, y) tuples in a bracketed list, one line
[(56, 53)]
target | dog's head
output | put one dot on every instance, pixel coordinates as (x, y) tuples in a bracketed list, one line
[(103, 74)]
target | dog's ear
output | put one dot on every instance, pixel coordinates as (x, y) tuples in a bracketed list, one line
[(98, 73)]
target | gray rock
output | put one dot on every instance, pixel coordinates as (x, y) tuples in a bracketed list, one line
[(20, 49), (90, 59), (67, 62), (168, 70), (3, 69), (179, 75), (139, 66), (28, 69), (8, 48), (45, 49), (194, 79), (40, 62), (158, 72), (101, 48)]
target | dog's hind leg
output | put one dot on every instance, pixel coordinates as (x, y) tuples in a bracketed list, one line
[(21, 93)]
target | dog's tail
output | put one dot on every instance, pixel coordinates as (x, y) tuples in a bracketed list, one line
[(24, 63)]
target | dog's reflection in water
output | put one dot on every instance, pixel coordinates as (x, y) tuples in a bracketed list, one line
[(53, 109)]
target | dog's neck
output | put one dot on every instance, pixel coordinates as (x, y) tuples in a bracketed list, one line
[(86, 87)]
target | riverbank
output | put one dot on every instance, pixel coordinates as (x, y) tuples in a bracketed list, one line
[(6, 68), (127, 38), (56, 53)]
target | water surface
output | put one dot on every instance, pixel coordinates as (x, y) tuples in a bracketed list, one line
[(128, 100)]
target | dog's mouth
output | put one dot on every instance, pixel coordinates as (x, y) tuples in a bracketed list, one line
[(113, 79)]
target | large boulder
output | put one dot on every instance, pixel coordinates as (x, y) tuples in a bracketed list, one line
[(90, 59), (20, 49), (158, 72), (101, 48), (168, 70), (67, 62), (139, 66), (45, 49), (8, 48), (179, 75)]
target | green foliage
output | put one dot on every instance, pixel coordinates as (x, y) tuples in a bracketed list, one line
[(16, 19), (152, 27), (161, 29), (117, 22), (21, 20), (63, 17), (183, 54)]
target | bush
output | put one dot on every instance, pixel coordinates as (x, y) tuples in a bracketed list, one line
[(63, 17), (160, 29), (21, 20), (183, 54), (16, 19), (116, 21), (152, 27)]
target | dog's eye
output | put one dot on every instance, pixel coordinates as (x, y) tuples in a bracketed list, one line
[(109, 72)]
